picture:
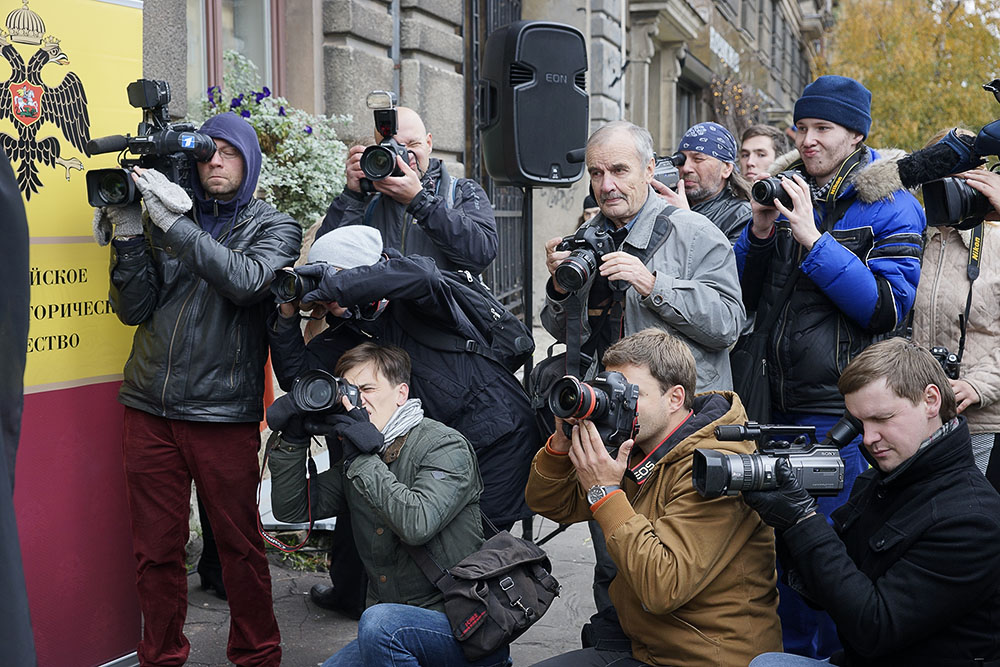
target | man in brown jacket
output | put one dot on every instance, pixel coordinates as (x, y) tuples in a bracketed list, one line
[(696, 579)]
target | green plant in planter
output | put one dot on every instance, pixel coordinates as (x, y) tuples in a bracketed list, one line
[(303, 164)]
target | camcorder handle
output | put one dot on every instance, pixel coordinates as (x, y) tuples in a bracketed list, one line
[(761, 433)]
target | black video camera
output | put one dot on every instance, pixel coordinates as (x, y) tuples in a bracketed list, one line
[(609, 401), (766, 190), (588, 245), (817, 466), (160, 145), (950, 201), (379, 161), (316, 391), (665, 169), (950, 362)]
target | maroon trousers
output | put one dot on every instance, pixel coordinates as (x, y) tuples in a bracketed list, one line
[(162, 456)]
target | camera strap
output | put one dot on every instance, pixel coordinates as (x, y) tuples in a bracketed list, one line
[(311, 465), (972, 270)]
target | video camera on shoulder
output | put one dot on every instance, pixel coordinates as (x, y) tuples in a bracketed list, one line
[(766, 190), (950, 201), (665, 169), (609, 401), (817, 466), (588, 246), (379, 161), (166, 147)]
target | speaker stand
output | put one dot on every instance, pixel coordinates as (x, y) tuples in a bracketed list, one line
[(527, 241)]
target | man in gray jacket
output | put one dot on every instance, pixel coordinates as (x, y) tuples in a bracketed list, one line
[(688, 284), (194, 278)]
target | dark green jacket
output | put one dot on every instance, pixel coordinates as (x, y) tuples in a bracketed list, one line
[(428, 495)]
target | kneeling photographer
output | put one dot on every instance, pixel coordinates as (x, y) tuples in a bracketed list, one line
[(405, 480), (695, 584), (908, 569), (956, 306)]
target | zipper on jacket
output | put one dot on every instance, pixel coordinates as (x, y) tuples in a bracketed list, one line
[(781, 332), (170, 349), (932, 311), (236, 358)]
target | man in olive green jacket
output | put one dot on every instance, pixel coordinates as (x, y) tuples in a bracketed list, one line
[(405, 479), (696, 580)]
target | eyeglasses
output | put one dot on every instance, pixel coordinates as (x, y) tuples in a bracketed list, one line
[(228, 152)]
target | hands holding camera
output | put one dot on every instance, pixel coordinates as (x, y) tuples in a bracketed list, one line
[(799, 216), (111, 221), (165, 201), (618, 265), (987, 183), (785, 506), (402, 189), (594, 465), (678, 198)]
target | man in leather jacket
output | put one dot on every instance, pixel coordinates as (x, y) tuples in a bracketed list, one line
[(908, 571), (194, 278), (710, 183)]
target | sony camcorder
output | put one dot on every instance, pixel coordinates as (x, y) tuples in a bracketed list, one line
[(609, 401), (665, 169), (166, 147), (817, 466), (379, 161)]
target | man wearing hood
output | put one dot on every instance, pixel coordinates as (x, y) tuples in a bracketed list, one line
[(425, 211), (194, 278), (695, 584), (854, 254), (908, 570)]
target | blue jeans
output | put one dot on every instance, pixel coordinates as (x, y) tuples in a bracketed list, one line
[(395, 635), (785, 660)]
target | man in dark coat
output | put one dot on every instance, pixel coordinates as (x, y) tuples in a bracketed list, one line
[(908, 571), (15, 629)]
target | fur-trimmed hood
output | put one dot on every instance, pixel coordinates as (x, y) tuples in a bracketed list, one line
[(875, 181)]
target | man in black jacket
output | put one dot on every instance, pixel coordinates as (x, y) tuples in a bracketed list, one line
[(426, 211), (195, 279), (908, 571)]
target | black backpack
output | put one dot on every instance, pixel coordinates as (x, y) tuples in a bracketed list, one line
[(505, 339)]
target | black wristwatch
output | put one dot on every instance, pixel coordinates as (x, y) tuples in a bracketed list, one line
[(597, 492)]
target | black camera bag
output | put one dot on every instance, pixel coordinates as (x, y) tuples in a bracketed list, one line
[(494, 594)]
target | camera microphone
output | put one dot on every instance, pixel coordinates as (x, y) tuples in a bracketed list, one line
[(113, 143), (576, 156)]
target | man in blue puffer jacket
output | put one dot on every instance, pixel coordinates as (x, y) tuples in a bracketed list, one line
[(857, 251)]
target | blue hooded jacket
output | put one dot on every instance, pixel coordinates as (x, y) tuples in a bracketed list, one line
[(213, 215)]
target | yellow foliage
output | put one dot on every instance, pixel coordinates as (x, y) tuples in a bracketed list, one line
[(924, 60)]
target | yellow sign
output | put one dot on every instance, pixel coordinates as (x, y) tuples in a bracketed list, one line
[(66, 65)]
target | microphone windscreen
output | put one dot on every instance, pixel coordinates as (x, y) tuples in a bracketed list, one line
[(927, 164), (110, 144)]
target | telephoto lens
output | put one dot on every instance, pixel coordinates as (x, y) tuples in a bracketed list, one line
[(574, 271), (571, 398)]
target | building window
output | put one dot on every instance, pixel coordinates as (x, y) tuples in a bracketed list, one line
[(765, 37), (250, 27), (728, 8), (778, 32), (748, 19), (687, 106)]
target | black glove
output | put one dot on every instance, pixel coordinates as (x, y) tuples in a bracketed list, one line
[(784, 506), (285, 418), (327, 281), (358, 435)]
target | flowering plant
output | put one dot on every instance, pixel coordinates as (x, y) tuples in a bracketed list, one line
[(303, 161)]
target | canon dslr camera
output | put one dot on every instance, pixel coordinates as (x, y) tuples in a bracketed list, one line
[(588, 246), (379, 161), (817, 466), (317, 391), (289, 286), (609, 401), (160, 145)]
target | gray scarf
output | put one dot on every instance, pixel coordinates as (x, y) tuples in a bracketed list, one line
[(406, 416)]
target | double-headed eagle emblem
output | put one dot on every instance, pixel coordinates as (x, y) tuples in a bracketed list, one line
[(29, 103)]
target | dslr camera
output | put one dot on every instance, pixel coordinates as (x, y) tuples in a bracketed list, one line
[(766, 190), (316, 391), (665, 169), (289, 286), (950, 201), (950, 362), (609, 401), (379, 161), (817, 466), (588, 246), (166, 147)]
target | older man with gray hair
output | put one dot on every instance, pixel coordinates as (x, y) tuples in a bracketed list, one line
[(671, 269)]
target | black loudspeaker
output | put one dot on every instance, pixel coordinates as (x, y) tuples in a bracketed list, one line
[(533, 103)]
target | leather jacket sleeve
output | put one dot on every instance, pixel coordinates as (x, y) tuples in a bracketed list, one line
[(135, 283), (241, 275)]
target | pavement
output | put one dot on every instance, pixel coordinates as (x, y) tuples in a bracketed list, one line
[(310, 635)]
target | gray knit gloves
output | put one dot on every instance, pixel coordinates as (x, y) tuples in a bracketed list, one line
[(165, 201), (116, 221)]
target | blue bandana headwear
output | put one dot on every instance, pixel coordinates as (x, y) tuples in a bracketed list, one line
[(711, 139)]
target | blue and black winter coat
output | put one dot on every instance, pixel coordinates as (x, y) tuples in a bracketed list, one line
[(858, 282)]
